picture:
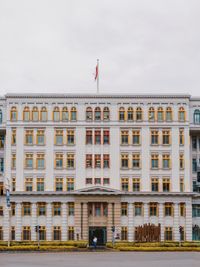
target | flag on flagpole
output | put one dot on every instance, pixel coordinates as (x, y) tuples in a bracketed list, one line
[(97, 72)]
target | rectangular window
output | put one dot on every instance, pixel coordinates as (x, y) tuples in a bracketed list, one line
[(40, 138), (181, 161), (1, 164), (136, 137), (124, 161), (168, 209), (89, 137), (153, 209), (56, 209), (59, 161), (29, 161), (59, 137), (106, 181), (28, 184), (97, 181), (71, 233), (124, 233), (154, 161), (154, 137), (1, 188), (41, 209), (138, 207), (70, 184), (196, 210), (136, 184), (13, 206), (1, 233), (89, 161), (106, 137), (181, 137), (13, 233), (40, 161), (136, 161), (182, 209), (97, 161), (88, 180), (13, 137), (70, 161), (97, 209), (42, 233), (194, 142), (71, 209), (154, 184), (166, 161), (40, 184), (181, 184), (29, 137), (13, 184), (124, 137), (59, 184), (13, 161), (124, 209), (97, 137), (26, 233), (56, 233), (166, 185), (106, 161), (1, 210), (168, 234), (125, 184), (166, 137), (26, 209), (70, 137)]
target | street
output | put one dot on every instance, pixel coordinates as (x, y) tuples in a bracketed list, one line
[(99, 259)]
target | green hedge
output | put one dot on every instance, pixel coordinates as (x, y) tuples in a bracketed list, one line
[(77, 244), (159, 248), (35, 248)]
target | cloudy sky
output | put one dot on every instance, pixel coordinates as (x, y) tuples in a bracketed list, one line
[(144, 46)]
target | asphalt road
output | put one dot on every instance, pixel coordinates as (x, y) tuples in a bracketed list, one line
[(103, 259)]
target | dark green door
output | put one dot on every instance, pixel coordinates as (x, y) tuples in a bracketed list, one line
[(100, 233)]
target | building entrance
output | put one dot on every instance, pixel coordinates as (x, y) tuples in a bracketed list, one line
[(100, 233)]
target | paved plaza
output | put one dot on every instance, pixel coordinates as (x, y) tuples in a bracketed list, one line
[(103, 259)]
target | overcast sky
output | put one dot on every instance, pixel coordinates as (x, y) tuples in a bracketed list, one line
[(144, 46)]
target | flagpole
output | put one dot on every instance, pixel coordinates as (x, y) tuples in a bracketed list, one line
[(98, 76)]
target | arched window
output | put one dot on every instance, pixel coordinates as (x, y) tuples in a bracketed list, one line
[(89, 115), (43, 114), (106, 114), (168, 114), (122, 114), (197, 116), (160, 114), (1, 116), (138, 114), (73, 114), (56, 114), (35, 114), (130, 114), (13, 114), (151, 114), (97, 114), (26, 114), (181, 114), (65, 114)]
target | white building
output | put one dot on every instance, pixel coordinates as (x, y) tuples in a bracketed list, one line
[(79, 165)]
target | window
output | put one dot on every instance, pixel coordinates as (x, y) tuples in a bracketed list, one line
[(106, 181), (26, 209), (70, 184), (153, 209), (124, 161), (181, 114), (13, 161), (121, 114), (168, 208), (154, 184), (29, 160), (97, 137), (40, 161), (136, 137), (194, 165), (197, 116), (1, 116), (136, 161), (181, 161), (97, 207), (138, 208), (166, 137), (1, 164), (41, 209), (29, 184), (71, 233), (106, 161), (97, 181), (35, 114), (71, 208), (1, 211), (106, 137), (59, 161), (56, 233), (56, 114), (166, 161), (65, 114), (59, 184), (40, 138), (13, 209), (154, 137), (89, 115), (88, 180), (124, 209), (97, 114), (168, 114), (26, 114), (59, 137), (166, 185), (13, 137), (13, 184), (2, 141), (13, 114), (40, 184), (29, 137), (42, 233), (73, 114), (88, 161), (181, 137), (160, 114), (138, 114), (151, 114), (125, 184), (181, 184), (70, 137), (154, 161), (13, 233), (26, 233), (182, 209), (136, 184), (97, 161), (88, 137), (1, 233), (168, 234), (124, 233), (195, 210), (106, 114), (43, 114), (70, 161), (1, 188), (124, 137), (56, 209), (130, 114), (194, 142)]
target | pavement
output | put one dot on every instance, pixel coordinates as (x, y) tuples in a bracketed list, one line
[(100, 259)]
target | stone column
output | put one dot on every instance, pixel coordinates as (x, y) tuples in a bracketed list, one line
[(109, 223), (188, 221), (161, 221), (6, 223), (85, 221), (146, 213), (64, 222), (176, 223), (34, 221), (18, 227), (49, 222), (130, 222)]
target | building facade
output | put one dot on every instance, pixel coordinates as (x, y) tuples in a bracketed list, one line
[(104, 165)]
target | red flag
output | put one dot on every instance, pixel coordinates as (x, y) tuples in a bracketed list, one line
[(97, 72)]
